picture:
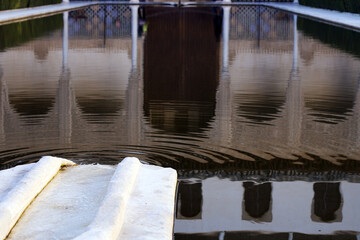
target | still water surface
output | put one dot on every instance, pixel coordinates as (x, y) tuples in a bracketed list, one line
[(257, 109)]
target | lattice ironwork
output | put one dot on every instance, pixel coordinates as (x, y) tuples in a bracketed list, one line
[(110, 21), (246, 22), (261, 23)]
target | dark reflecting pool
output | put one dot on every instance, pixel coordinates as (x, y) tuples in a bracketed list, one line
[(257, 109)]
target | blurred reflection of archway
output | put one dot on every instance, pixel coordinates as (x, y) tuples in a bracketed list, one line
[(327, 203), (257, 202), (262, 39)]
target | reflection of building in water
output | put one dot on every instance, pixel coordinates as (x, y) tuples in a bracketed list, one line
[(249, 110), (294, 206), (181, 65)]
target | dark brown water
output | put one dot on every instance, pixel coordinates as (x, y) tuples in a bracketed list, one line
[(257, 109)]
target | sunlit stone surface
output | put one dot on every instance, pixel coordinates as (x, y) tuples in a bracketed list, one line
[(95, 202)]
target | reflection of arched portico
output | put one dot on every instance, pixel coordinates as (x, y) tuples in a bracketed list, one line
[(288, 128)]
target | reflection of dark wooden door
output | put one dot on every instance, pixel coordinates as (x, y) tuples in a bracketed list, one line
[(181, 57)]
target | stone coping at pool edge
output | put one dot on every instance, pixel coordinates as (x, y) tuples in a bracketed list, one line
[(55, 198), (349, 20)]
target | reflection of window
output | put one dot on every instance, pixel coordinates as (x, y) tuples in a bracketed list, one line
[(189, 201), (327, 203), (257, 202)]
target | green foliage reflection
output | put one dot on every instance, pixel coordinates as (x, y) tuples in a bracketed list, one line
[(15, 34), (339, 5), (14, 4), (340, 38)]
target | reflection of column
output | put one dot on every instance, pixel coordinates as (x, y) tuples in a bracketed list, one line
[(223, 111), (294, 97), (64, 91), (3, 102), (134, 97), (65, 107), (134, 106), (134, 35)]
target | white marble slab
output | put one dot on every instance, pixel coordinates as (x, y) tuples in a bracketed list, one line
[(129, 201)]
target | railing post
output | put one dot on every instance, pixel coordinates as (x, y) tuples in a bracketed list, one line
[(64, 91)]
